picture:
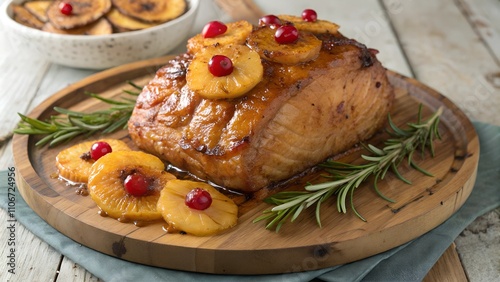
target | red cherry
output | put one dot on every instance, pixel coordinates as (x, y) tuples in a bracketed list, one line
[(309, 15), (65, 8), (286, 34), (198, 199), (99, 149), (212, 29), (220, 65), (136, 184), (270, 20)]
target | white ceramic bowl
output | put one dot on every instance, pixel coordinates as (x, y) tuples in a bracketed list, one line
[(101, 51)]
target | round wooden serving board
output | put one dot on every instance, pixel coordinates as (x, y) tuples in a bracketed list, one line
[(249, 248)]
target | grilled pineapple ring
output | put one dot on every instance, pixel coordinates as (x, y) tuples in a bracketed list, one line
[(74, 168), (247, 72), (306, 48), (236, 34), (126, 23), (221, 215), (23, 16), (99, 27), (106, 185), (38, 9), (318, 26), (151, 10), (84, 12)]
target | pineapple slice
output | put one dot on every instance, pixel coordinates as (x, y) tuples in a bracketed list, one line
[(220, 215), (23, 16), (153, 11), (99, 27), (305, 49), (236, 34), (84, 12), (74, 166), (125, 23), (106, 185), (38, 9), (318, 26), (247, 72)]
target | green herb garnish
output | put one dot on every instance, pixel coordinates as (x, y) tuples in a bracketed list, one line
[(347, 177), (69, 124)]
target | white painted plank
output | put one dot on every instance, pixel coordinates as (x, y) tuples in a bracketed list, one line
[(6, 159), (70, 271), (484, 15), (446, 54), (56, 78), (22, 72), (35, 260)]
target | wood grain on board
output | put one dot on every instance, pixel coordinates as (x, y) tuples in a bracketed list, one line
[(297, 247)]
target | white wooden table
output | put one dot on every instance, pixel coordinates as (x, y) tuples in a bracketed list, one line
[(450, 45)]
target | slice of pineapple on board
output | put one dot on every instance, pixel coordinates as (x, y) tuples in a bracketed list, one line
[(106, 185), (74, 165), (219, 216)]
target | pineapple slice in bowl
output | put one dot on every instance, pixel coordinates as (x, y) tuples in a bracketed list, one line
[(196, 219)]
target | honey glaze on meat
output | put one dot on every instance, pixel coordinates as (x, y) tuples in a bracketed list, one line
[(294, 118)]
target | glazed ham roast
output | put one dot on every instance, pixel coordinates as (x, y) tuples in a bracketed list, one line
[(283, 108)]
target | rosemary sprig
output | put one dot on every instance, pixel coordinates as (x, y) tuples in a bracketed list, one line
[(345, 178), (69, 124)]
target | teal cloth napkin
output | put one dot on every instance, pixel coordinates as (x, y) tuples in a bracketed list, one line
[(409, 262)]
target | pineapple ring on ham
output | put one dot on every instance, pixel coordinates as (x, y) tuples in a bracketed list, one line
[(219, 216), (305, 49), (236, 34), (316, 27), (247, 72)]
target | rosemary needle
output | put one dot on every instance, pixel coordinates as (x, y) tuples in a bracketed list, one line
[(345, 178), (69, 124)]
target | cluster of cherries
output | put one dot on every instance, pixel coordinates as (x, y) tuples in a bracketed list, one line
[(136, 184), (221, 65)]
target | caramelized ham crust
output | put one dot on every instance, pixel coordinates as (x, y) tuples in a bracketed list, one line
[(296, 117)]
